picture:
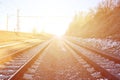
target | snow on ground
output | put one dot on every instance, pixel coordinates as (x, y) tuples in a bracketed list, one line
[(106, 45), (110, 46)]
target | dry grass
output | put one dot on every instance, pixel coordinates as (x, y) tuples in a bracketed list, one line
[(13, 36)]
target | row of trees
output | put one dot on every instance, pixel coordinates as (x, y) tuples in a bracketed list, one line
[(96, 21), (106, 6)]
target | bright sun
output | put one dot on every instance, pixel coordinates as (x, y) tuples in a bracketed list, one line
[(56, 25)]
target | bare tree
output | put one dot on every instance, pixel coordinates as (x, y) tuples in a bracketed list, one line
[(106, 6)]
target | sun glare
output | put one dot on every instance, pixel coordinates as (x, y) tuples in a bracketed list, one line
[(55, 25)]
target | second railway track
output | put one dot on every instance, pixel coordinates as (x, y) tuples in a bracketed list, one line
[(14, 65), (108, 67)]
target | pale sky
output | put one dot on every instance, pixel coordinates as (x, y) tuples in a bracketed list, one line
[(52, 13)]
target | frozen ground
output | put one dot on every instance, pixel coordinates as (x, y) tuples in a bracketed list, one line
[(110, 46)]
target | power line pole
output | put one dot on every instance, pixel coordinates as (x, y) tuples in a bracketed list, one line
[(18, 26)]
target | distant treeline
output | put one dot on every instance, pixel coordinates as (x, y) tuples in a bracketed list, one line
[(102, 21)]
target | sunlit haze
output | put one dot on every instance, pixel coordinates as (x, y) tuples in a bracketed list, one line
[(51, 16)]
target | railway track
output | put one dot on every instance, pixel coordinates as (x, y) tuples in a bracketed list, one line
[(108, 66), (58, 63), (14, 65)]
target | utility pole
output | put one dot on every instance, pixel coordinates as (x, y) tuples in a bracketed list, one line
[(18, 27), (7, 22)]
